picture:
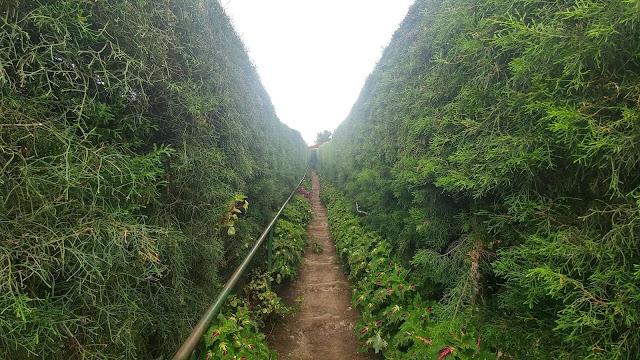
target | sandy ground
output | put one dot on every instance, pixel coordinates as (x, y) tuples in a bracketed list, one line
[(323, 328)]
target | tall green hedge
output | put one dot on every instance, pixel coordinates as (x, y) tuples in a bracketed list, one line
[(127, 128), (497, 147)]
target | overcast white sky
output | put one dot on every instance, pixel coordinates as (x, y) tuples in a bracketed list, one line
[(313, 56)]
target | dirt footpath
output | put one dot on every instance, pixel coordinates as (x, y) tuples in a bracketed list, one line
[(323, 328)]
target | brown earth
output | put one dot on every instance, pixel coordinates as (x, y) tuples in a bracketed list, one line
[(323, 327)]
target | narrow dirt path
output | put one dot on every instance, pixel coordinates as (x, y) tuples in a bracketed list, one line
[(323, 328)]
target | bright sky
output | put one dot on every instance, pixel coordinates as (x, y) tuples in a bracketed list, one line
[(313, 56)]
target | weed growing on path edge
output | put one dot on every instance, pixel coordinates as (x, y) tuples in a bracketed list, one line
[(317, 248), (237, 331)]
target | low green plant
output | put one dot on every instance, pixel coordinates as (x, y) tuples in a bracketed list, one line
[(236, 334), (317, 248), (290, 238), (395, 319), (261, 298)]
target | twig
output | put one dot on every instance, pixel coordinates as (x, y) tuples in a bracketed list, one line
[(22, 125), (360, 211)]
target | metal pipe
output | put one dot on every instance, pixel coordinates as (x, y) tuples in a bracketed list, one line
[(196, 334), (270, 251)]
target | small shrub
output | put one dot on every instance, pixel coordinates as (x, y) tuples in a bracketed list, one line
[(236, 335)]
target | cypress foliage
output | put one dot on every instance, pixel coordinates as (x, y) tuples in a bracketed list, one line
[(127, 130), (497, 147)]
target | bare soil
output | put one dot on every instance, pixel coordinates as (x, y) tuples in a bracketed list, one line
[(323, 327)]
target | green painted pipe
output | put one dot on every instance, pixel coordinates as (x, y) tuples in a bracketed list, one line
[(196, 334), (270, 251)]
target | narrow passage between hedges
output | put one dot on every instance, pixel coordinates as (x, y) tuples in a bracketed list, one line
[(323, 327)]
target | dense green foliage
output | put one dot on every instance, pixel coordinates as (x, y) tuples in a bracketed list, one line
[(290, 238), (237, 332), (496, 146), (236, 336), (394, 318), (127, 128)]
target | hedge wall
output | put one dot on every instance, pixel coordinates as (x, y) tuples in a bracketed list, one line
[(127, 131), (497, 147)]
